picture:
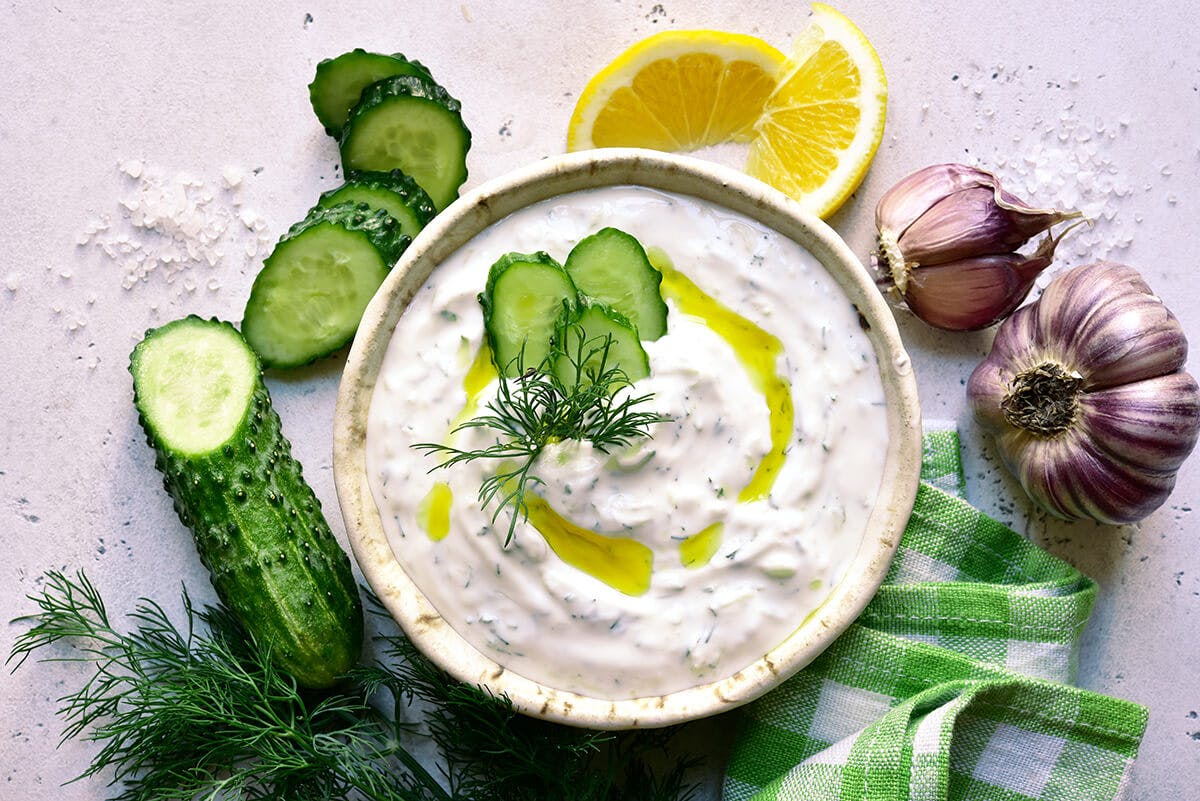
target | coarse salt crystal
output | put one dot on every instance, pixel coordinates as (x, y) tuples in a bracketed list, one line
[(233, 177), (12, 282)]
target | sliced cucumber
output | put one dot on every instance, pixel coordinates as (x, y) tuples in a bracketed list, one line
[(611, 266), (409, 123), (594, 338), (310, 295), (340, 81), (394, 192), (522, 303), (257, 525)]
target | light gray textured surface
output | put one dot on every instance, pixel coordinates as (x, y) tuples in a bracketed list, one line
[(198, 87)]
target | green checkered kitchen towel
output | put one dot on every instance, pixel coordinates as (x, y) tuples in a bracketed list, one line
[(949, 686)]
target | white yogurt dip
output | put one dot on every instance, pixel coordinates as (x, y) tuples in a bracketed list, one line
[(725, 528)]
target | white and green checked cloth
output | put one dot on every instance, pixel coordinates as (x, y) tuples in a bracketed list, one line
[(950, 685)]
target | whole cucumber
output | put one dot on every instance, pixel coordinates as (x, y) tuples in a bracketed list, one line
[(258, 526)]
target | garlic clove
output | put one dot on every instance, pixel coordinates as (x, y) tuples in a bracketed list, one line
[(1152, 424), (949, 212), (913, 195), (972, 223), (973, 293)]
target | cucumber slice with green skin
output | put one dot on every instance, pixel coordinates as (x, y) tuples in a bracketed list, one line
[(311, 293), (595, 338), (524, 298), (256, 523), (339, 83), (409, 123), (611, 266), (394, 192)]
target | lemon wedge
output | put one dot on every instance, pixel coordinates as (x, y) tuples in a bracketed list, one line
[(813, 121), (677, 91), (822, 124)]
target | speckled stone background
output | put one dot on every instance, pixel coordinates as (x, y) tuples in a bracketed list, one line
[(1094, 105)]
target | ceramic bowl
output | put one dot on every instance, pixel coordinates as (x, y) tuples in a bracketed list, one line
[(708, 182)]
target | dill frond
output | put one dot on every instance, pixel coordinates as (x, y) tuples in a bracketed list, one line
[(536, 408)]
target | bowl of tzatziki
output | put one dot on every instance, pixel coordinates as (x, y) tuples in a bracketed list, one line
[(699, 566)]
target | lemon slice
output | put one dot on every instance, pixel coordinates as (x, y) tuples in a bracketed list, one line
[(677, 91), (821, 126)]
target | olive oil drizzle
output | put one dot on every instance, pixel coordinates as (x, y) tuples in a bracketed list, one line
[(433, 513), (698, 550), (621, 562), (756, 349)]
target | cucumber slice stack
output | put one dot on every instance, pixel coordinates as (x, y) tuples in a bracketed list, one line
[(404, 148), (387, 113), (577, 320)]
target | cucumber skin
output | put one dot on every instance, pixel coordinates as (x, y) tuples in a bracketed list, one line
[(259, 530), (397, 181), (380, 228)]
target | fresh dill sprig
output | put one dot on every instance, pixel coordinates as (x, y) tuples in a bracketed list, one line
[(185, 714), (200, 712), (537, 408)]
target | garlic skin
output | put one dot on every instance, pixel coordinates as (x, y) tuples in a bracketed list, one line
[(1085, 393), (960, 220)]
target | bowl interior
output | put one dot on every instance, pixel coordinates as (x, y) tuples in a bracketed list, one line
[(707, 182)]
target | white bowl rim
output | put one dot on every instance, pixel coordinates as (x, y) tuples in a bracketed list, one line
[(714, 184)]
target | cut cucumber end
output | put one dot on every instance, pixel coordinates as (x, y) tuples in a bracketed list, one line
[(193, 380)]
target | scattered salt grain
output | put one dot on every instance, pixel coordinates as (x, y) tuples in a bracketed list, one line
[(1065, 162), (133, 168), (12, 282), (233, 177), (170, 225)]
